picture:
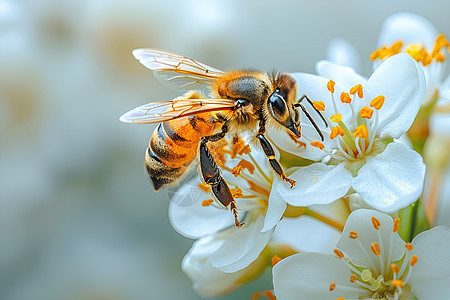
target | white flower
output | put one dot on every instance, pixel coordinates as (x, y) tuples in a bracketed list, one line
[(258, 207), (372, 262), (359, 152), (415, 35)]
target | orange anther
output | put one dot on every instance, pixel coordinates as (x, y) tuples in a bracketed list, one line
[(395, 268), (396, 225), (345, 98), (442, 41), (332, 285), (275, 259), (353, 278), (270, 295), (413, 260), (353, 234), (396, 46), (204, 187), (366, 112), (377, 102), (207, 202), (374, 55), (330, 86), (375, 248), (361, 132), (319, 105), (338, 253), (336, 117), (236, 192), (409, 246), (243, 164), (317, 144), (340, 298), (357, 89), (397, 283), (376, 223), (335, 131)]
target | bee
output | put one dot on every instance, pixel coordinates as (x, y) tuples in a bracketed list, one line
[(238, 101)]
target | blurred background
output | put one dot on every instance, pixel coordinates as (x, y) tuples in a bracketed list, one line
[(78, 218)]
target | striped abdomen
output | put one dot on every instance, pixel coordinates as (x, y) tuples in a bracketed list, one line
[(173, 147)]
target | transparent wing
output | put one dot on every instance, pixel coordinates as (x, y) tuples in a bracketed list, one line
[(177, 71), (156, 112)]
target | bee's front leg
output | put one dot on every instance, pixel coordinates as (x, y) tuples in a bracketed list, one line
[(268, 150)]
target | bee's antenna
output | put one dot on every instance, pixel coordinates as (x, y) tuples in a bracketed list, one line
[(298, 104)]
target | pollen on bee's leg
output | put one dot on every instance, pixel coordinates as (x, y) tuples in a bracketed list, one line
[(275, 259), (317, 144), (207, 202)]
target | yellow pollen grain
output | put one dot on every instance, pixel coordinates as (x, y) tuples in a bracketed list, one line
[(270, 295), (345, 98), (336, 117), (330, 86), (207, 202), (353, 234), (409, 246), (332, 285), (357, 89), (317, 144), (413, 260), (361, 131), (319, 105), (338, 253), (395, 268), (375, 249), (396, 225), (377, 102), (376, 223), (366, 112), (397, 283), (275, 259), (335, 131)]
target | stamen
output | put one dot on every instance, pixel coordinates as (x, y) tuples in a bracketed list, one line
[(353, 234), (270, 295), (366, 112), (397, 283), (319, 105), (357, 89), (409, 246), (394, 268), (361, 132), (345, 98), (353, 278), (207, 202), (204, 187), (317, 144), (330, 86), (243, 164), (413, 260), (376, 223), (338, 253), (336, 117), (340, 298), (275, 259), (377, 102), (236, 192), (375, 248), (335, 131), (396, 225), (332, 285)]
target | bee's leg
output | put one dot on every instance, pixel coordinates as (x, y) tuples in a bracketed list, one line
[(268, 150), (212, 176), (295, 139)]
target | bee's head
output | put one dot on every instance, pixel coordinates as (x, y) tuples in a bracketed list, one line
[(280, 103)]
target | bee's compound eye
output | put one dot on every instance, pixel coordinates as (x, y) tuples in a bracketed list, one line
[(277, 104)]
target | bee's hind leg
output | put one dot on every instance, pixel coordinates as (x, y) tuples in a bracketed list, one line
[(212, 175)]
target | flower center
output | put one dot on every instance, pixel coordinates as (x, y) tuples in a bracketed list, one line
[(356, 139), (417, 51), (384, 279)]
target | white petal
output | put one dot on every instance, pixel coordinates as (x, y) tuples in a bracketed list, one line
[(346, 76), (409, 28), (309, 275), (317, 184), (276, 208), (196, 220), (306, 234), (391, 180), (431, 274), (242, 247), (359, 249), (342, 52), (401, 80)]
